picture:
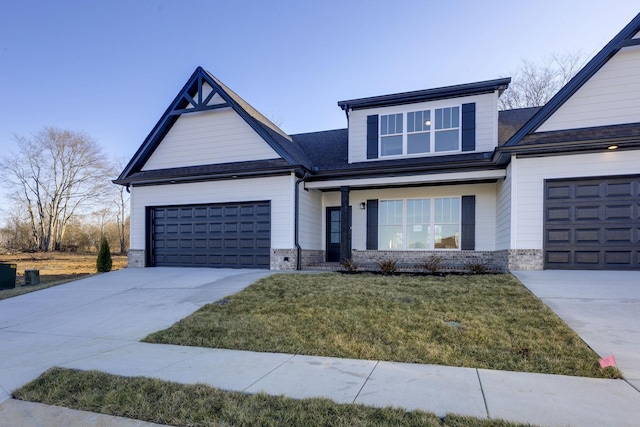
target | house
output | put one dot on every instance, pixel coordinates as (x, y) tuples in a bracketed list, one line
[(431, 172)]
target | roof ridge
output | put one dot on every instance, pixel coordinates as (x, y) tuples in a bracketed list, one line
[(248, 107)]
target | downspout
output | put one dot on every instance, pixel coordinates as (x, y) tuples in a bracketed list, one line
[(296, 220)]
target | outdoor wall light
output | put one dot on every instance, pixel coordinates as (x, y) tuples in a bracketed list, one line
[(612, 147), (363, 205)]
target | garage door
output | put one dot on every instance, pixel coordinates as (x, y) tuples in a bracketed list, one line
[(592, 223), (231, 235)]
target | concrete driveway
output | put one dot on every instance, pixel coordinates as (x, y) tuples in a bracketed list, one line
[(102, 313), (603, 307)]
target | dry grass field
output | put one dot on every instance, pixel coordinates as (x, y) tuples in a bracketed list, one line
[(55, 268)]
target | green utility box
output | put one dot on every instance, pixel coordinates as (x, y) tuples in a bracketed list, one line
[(7, 276)]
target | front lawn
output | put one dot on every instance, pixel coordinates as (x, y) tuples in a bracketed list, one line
[(199, 405), (478, 321)]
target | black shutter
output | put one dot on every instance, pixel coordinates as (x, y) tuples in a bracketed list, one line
[(469, 127), (372, 137), (372, 224), (468, 239)]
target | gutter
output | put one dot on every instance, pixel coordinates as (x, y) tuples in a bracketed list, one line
[(296, 220)]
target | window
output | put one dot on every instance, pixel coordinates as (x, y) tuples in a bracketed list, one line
[(390, 221), (391, 134), (420, 136), (424, 224), (447, 223), (447, 134)]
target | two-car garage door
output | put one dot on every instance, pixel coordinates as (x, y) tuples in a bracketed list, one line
[(231, 235), (592, 223)]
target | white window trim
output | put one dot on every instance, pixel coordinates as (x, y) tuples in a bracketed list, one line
[(432, 131), (432, 224)]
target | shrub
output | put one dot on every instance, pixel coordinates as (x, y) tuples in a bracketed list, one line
[(388, 266), (477, 267), (103, 264), (349, 265), (432, 264)]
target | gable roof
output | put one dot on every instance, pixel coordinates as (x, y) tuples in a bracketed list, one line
[(623, 39), (190, 99), (510, 121), (427, 94)]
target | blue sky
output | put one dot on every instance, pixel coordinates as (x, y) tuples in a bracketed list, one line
[(110, 68)]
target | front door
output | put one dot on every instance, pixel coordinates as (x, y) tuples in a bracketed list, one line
[(333, 233)]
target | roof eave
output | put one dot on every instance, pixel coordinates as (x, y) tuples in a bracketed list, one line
[(592, 67), (455, 91)]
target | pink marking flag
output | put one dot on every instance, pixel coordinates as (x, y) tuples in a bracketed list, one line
[(608, 361)]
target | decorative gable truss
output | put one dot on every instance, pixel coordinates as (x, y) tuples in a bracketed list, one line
[(205, 98), (204, 93)]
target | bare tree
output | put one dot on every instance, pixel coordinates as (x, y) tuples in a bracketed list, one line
[(55, 174), (534, 84), (120, 201)]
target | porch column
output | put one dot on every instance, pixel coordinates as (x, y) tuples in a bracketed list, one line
[(345, 225)]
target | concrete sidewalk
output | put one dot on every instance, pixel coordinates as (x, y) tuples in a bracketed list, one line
[(97, 324), (547, 400)]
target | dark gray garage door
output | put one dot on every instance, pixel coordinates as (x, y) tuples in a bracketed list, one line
[(592, 223), (231, 235)]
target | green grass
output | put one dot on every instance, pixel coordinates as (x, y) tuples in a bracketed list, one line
[(199, 405), (478, 321)]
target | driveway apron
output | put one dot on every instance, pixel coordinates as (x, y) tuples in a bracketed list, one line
[(603, 307), (102, 313)]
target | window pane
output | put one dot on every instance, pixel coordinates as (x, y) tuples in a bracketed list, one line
[(447, 223), (398, 123), (418, 236), (390, 237), (439, 118), (391, 145), (384, 125), (391, 212), (426, 117), (447, 140), (455, 117), (446, 118), (335, 237), (418, 143), (447, 236), (411, 121), (390, 234), (392, 125)]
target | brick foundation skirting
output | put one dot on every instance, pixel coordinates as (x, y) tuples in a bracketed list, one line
[(135, 258)]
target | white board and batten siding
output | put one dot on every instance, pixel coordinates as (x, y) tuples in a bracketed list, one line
[(610, 97), (278, 190), (485, 208), (486, 123), (209, 137), (503, 211), (310, 217), (527, 189)]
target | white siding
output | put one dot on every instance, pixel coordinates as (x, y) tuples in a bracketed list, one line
[(486, 122), (279, 190), (610, 97), (503, 212), (310, 236), (485, 209), (528, 189), (209, 137)]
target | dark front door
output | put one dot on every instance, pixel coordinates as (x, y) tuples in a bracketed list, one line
[(334, 236)]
